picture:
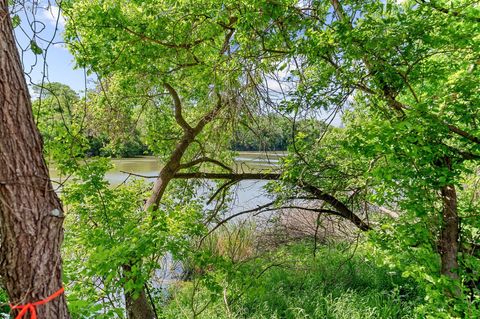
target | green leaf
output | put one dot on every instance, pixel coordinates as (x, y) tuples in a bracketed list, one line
[(35, 48), (16, 21)]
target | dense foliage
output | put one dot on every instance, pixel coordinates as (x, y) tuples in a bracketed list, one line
[(191, 81), (69, 121), (106, 228)]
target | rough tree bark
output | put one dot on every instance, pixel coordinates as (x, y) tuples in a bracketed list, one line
[(137, 306), (31, 214)]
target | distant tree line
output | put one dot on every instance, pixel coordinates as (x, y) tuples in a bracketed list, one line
[(62, 117), (272, 132)]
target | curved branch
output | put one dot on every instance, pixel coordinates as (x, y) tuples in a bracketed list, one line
[(225, 186), (204, 159), (266, 208), (178, 108), (207, 118), (257, 209), (340, 207), (355, 220), (165, 44)]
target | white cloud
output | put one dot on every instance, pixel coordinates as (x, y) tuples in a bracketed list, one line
[(51, 15)]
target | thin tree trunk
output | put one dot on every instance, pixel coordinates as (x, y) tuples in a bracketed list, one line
[(189, 134), (448, 243), (168, 171), (31, 214), (137, 306)]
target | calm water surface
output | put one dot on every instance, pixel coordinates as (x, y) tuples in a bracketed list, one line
[(247, 194)]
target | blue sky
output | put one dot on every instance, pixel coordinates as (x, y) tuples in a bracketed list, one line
[(55, 64)]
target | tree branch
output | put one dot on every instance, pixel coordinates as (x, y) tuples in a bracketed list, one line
[(166, 44), (257, 209), (387, 91), (178, 108), (207, 118), (230, 176), (448, 11), (361, 225), (341, 208), (204, 159), (225, 186), (463, 133), (229, 35)]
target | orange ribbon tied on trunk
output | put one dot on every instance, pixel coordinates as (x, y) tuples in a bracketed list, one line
[(31, 307)]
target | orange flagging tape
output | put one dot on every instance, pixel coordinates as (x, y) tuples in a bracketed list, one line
[(30, 307)]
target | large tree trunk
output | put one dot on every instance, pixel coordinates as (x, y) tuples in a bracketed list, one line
[(31, 214)]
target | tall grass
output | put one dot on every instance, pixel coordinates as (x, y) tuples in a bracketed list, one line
[(291, 283), (235, 242)]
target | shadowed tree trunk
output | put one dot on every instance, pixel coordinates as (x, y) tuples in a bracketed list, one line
[(31, 214), (137, 305), (448, 243)]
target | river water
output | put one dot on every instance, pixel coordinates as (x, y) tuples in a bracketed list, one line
[(247, 194)]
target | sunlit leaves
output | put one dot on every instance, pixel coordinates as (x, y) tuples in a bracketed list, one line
[(107, 228)]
